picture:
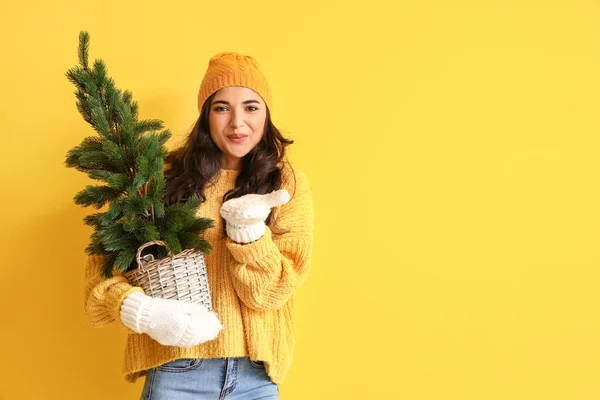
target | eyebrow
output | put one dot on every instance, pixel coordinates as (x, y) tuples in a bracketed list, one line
[(227, 103)]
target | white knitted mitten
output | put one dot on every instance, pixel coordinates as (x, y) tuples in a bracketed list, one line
[(169, 322), (245, 216), (204, 326)]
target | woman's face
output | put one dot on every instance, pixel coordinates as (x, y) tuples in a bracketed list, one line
[(236, 111)]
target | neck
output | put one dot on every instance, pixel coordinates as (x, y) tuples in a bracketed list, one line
[(230, 163)]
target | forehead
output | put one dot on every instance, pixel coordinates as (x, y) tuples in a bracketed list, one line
[(236, 93)]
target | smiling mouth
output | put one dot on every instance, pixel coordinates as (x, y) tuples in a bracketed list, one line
[(237, 138)]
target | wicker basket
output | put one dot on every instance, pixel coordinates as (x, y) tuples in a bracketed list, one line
[(179, 277)]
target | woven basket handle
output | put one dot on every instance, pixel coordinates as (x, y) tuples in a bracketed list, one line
[(138, 257)]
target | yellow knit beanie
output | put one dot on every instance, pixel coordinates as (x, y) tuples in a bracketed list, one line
[(233, 69)]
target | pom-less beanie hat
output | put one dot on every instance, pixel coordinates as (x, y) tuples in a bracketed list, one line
[(233, 69)]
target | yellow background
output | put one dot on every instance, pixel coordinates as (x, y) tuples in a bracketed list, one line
[(452, 148)]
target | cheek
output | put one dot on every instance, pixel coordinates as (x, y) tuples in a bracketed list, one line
[(211, 120), (258, 126), (258, 133), (214, 125)]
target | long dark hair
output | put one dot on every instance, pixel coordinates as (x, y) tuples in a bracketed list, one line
[(198, 161)]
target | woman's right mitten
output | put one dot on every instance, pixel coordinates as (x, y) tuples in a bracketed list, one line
[(204, 326), (164, 320)]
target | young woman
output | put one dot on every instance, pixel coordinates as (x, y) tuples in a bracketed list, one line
[(234, 158)]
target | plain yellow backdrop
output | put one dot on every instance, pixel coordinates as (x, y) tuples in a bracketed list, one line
[(453, 153)]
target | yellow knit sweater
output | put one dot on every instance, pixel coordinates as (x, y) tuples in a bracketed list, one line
[(252, 286)]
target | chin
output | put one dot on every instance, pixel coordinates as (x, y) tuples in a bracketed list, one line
[(237, 154)]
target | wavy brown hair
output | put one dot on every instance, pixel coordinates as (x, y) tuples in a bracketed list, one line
[(198, 161)]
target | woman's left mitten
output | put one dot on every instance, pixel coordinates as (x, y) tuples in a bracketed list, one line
[(245, 216)]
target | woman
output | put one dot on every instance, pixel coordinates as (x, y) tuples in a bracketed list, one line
[(262, 241)]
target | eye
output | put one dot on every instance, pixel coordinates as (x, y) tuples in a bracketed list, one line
[(219, 108), (253, 108)]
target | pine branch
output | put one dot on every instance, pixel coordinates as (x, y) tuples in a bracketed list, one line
[(84, 45), (128, 157)]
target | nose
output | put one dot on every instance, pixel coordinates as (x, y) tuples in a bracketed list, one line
[(237, 120)]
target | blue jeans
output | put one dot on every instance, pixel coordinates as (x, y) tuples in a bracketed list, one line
[(235, 378)]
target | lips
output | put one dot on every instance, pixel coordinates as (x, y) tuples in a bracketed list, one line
[(237, 139)]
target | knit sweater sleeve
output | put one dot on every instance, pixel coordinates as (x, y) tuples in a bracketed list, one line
[(103, 297), (265, 273)]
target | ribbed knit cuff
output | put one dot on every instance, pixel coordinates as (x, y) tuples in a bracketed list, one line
[(247, 233), (135, 311), (115, 295)]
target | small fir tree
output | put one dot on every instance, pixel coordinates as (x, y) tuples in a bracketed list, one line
[(128, 156)]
